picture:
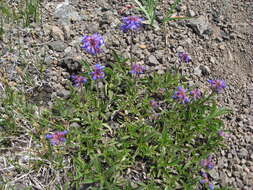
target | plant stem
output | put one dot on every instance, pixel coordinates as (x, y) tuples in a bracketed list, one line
[(97, 89), (82, 93), (131, 48)]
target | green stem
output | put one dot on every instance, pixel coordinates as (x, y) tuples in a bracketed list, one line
[(131, 48)]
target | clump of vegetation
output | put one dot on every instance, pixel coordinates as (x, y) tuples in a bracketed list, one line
[(122, 127)]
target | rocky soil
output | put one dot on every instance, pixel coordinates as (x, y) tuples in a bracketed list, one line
[(218, 39)]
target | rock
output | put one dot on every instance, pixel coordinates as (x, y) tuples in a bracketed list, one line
[(57, 46), (68, 50), (243, 153), (152, 60), (66, 13), (74, 124), (48, 60), (212, 60), (57, 33), (214, 174), (224, 178), (72, 63), (191, 13), (93, 27), (67, 31), (76, 42), (197, 71), (47, 29), (239, 183), (222, 162), (204, 70), (230, 156), (180, 49), (222, 47), (200, 25), (63, 93)]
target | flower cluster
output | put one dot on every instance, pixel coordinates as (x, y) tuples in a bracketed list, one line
[(98, 72), (57, 137), (217, 85), (153, 103), (137, 69), (207, 163), (92, 44), (205, 180), (131, 23), (221, 133), (196, 94), (78, 80), (181, 96), (183, 57)]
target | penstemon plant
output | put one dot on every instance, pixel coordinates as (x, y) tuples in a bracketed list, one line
[(148, 7), (147, 131), (154, 120)]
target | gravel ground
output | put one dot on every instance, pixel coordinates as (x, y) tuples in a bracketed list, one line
[(218, 39)]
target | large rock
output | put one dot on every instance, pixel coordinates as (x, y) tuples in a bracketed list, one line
[(200, 25), (72, 63), (66, 13), (57, 46)]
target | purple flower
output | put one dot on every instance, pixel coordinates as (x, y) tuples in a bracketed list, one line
[(137, 69), (204, 175), (183, 57), (180, 95), (217, 85), (210, 165), (57, 137), (98, 72), (78, 80), (223, 134), (153, 103), (131, 23), (92, 44), (196, 94), (207, 163), (211, 187), (203, 181)]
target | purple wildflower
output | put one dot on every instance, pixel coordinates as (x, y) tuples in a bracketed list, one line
[(204, 174), (180, 95), (217, 85), (207, 163), (98, 72), (211, 187), (78, 80), (153, 103), (57, 137), (131, 23), (196, 94), (92, 44), (137, 69), (203, 181), (183, 57), (223, 134)]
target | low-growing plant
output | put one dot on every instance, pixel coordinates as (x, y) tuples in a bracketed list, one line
[(123, 126), (148, 7), (31, 12), (138, 130), (25, 11)]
